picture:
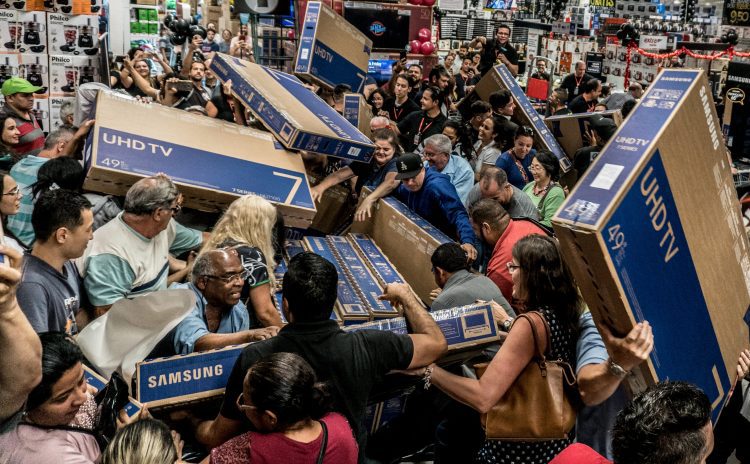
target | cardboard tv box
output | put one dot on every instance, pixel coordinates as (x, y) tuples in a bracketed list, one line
[(331, 51), (407, 240), (653, 232), (358, 112), (571, 130), (297, 117), (499, 78), (181, 379), (212, 162)]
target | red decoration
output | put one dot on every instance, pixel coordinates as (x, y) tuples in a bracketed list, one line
[(730, 52), (428, 2), (415, 2), (424, 35), (290, 34), (415, 45), (427, 48), (627, 65)]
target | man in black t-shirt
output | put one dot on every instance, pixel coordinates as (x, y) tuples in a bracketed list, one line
[(421, 124), (586, 101), (198, 95), (572, 82), (400, 106), (497, 50), (351, 362)]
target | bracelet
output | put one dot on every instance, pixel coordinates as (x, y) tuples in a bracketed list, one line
[(616, 370), (427, 377), (507, 324)]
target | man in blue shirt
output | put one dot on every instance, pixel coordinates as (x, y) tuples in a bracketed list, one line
[(218, 319), (437, 153), (431, 195)]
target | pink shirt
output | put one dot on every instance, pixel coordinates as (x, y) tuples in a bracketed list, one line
[(29, 444), (497, 269)]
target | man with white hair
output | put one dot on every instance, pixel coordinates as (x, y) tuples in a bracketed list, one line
[(437, 153), (379, 122)]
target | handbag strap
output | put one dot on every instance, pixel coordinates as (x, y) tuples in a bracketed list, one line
[(537, 347), (324, 444)]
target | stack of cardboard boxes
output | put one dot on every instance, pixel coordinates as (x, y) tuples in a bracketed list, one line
[(53, 45)]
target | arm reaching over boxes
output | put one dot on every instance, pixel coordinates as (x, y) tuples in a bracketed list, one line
[(18, 342), (429, 342)]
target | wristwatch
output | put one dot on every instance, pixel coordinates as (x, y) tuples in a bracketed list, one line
[(616, 370), (506, 325)]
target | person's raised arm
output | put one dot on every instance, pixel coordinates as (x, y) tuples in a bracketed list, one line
[(187, 60), (429, 341), (597, 382), (21, 360), (481, 395), (162, 62), (141, 82), (332, 179), (389, 184), (214, 341), (74, 148)]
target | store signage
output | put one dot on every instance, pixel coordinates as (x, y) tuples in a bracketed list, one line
[(736, 96), (653, 42), (602, 3), (560, 27), (736, 13)]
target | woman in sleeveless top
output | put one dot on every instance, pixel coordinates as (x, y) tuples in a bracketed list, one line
[(541, 282), (287, 407)]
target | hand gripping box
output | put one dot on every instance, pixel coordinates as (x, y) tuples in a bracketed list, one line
[(653, 232), (212, 162), (465, 328), (499, 78), (299, 118), (181, 379), (408, 241), (331, 51)]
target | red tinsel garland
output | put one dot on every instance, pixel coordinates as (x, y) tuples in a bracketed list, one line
[(729, 53)]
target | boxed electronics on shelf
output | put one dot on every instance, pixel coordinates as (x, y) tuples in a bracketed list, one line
[(296, 116), (213, 162), (653, 232), (331, 51), (23, 32), (67, 72), (73, 34)]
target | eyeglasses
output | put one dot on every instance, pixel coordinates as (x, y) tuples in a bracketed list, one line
[(230, 278), (536, 167), (16, 192), (241, 403), (512, 267)]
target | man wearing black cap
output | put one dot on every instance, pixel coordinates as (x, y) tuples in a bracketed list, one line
[(431, 195), (602, 129)]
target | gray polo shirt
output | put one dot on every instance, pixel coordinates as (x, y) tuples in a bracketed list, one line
[(520, 204), (464, 287)]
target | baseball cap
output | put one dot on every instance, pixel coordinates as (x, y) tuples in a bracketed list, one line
[(604, 127), (16, 85), (408, 166)]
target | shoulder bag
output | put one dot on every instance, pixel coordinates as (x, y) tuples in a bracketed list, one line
[(537, 407)]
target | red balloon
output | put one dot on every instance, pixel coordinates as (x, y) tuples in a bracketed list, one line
[(290, 34), (428, 2), (415, 46), (415, 2), (427, 48), (424, 35)]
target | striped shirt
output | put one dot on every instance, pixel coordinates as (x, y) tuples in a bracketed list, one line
[(32, 137), (25, 173)]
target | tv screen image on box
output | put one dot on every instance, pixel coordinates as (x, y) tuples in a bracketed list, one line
[(387, 28), (380, 70)]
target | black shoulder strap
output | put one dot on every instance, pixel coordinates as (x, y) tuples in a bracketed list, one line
[(548, 230), (324, 444)]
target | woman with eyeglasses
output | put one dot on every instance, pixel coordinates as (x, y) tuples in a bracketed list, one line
[(9, 206), (379, 175), (541, 282), (544, 191), (516, 161), (289, 412), (10, 136)]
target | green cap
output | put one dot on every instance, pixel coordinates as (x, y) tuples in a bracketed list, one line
[(16, 85)]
